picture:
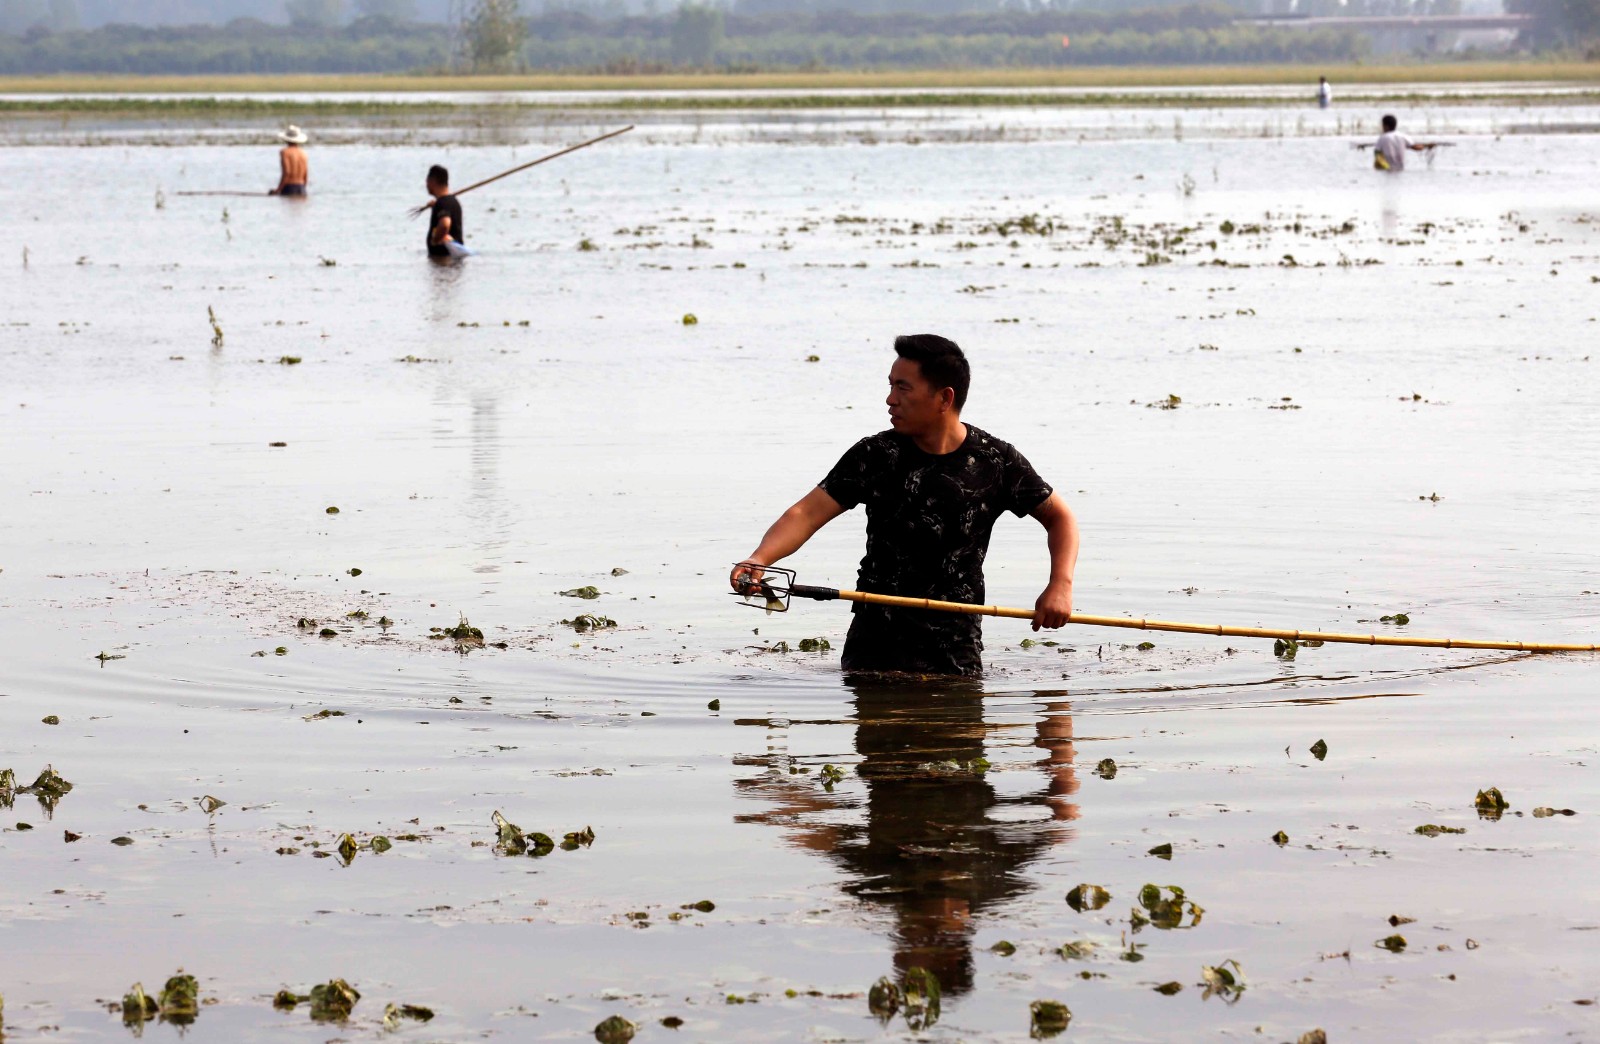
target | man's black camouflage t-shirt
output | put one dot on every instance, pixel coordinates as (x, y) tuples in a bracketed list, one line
[(929, 519)]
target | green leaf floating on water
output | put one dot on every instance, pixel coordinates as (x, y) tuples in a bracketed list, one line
[(1319, 749), (1107, 769), (1003, 948), (1225, 980), (1280, 838), (1145, 646), (333, 1001), (885, 998), (1168, 989), (1545, 812), (1088, 897), (510, 839), (138, 1007), (1076, 950), (815, 645), (1161, 851), (704, 906), (1048, 1018), (347, 848), (285, 1000), (1398, 619), (581, 592), (1285, 649), (922, 998), (380, 844), (1392, 943), (1434, 830), (209, 804), (614, 1029)]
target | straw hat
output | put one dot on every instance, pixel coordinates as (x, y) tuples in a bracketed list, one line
[(293, 135)]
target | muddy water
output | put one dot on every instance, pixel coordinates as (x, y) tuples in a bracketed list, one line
[(497, 432)]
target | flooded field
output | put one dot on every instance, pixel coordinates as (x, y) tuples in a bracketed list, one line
[(1278, 388)]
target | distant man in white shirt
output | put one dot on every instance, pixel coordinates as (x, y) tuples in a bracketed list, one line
[(1390, 151), (1324, 93)]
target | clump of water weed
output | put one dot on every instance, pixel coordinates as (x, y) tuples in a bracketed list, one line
[(1107, 769), (178, 1003), (1490, 803), (586, 622), (463, 633), (589, 592), (1166, 908), (815, 645), (393, 1013), (1048, 1019), (614, 1029), (1088, 897), (216, 327), (333, 1001)]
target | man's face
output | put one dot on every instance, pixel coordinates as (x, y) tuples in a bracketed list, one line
[(915, 405), (435, 189)]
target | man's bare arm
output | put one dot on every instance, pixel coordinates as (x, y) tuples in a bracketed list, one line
[(787, 535), (441, 231), (1054, 606)]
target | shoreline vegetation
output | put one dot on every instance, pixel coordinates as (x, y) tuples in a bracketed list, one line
[(1363, 74), (1153, 87)]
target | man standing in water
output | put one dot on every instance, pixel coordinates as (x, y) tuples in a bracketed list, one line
[(1324, 93), (294, 171), (444, 223), (1390, 151), (934, 488)]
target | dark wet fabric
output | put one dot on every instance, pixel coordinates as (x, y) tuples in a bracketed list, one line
[(445, 206), (929, 519), (292, 190)]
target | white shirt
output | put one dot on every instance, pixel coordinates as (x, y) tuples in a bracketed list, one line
[(1392, 146), (1324, 94)]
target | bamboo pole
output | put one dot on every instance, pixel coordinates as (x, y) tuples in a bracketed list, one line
[(225, 192), (542, 159), (1216, 629)]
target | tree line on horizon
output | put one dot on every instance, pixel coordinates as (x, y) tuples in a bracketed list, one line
[(496, 36)]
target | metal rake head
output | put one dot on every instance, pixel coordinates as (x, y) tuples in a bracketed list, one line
[(773, 586)]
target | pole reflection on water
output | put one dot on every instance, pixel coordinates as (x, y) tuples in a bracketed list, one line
[(935, 843)]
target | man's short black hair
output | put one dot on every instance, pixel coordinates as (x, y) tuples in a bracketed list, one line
[(1389, 124), (438, 175), (941, 361)]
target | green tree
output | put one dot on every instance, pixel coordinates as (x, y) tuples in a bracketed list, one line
[(393, 10), (493, 31), (322, 13), (696, 34)]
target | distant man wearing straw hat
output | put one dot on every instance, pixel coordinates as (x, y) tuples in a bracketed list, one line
[(933, 489), (292, 162)]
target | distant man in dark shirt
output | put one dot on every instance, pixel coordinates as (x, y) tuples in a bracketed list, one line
[(933, 488), (444, 223)]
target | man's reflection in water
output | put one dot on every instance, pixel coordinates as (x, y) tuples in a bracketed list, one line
[(939, 843)]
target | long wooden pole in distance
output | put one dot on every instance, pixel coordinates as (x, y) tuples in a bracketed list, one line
[(542, 159)]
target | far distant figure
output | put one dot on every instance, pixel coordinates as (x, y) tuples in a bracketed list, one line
[(446, 235), (1390, 151), (295, 171), (1324, 93)]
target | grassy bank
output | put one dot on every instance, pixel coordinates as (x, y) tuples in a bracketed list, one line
[(950, 80)]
